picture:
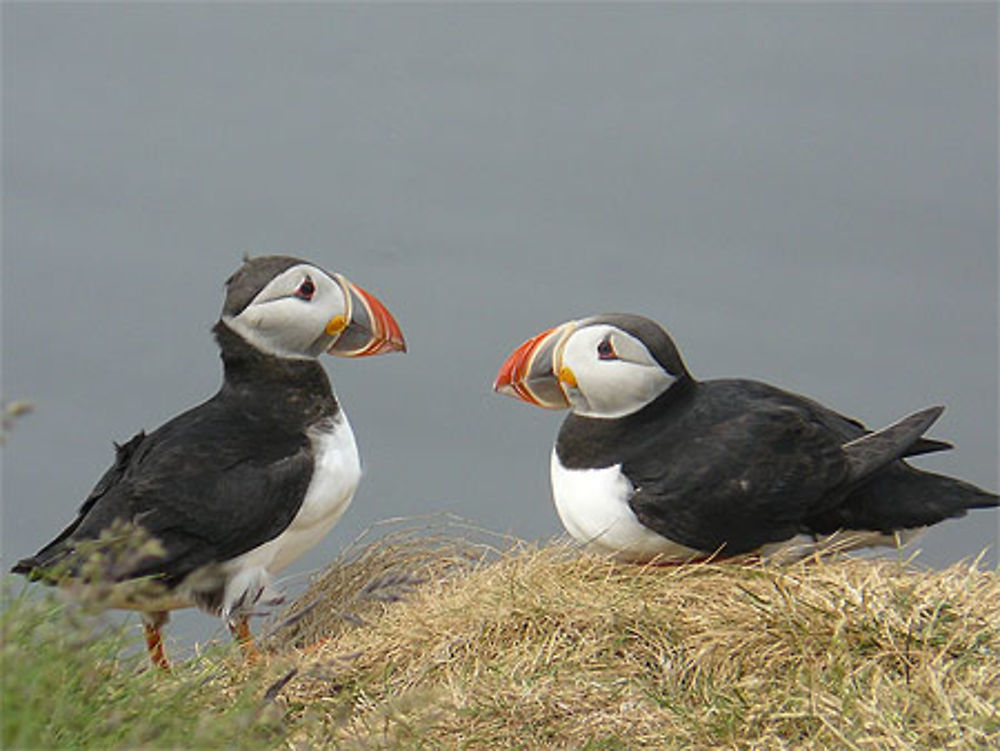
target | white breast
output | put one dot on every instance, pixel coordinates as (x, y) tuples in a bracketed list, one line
[(336, 473), (593, 506)]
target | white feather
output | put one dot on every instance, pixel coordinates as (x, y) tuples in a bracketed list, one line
[(615, 387), (279, 323), (593, 506), (803, 546), (336, 473)]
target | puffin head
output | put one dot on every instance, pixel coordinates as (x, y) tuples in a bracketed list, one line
[(291, 308), (605, 366)]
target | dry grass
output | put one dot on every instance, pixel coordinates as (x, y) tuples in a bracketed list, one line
[(429, 641), (384, 565)]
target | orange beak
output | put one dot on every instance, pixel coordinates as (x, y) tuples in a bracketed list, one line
[(531, 372), (367, 329)]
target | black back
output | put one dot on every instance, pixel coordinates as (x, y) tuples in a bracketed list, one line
[(731, 465), (217, 480)]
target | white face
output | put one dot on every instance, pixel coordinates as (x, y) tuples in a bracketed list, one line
[(289, 317), (614, 373)]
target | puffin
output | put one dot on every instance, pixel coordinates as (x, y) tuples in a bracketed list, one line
[(224, 496), (653, 465)]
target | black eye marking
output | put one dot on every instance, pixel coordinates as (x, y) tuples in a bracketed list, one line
[(606, 350), (306, 290)]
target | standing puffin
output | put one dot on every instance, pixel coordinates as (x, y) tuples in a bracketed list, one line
[(235, 489), (652, 463)]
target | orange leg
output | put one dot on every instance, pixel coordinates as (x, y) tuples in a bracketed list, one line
[(240, 629), (152, 623)]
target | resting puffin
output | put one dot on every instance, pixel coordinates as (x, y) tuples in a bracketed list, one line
[(653, 464), (237, 488)]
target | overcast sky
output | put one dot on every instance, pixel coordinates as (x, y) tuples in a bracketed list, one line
[(802, 193)]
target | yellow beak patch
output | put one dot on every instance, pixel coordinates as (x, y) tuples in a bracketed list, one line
[(567, 377), (337, 324)]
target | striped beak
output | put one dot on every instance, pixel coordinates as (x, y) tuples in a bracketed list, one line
[(534, 373), (366, 328)]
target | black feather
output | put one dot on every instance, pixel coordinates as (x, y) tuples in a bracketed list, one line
[(736, 464), (217, 480)]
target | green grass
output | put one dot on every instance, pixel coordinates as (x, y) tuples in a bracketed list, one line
[(427, 641), (71, 680)]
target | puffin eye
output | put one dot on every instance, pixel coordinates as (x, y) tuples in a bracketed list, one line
[(606, 350), (306, 289)]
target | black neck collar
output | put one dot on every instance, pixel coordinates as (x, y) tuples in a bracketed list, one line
[(588, 442), (284, 381)]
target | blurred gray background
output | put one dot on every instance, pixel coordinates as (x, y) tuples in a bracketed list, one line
[(803, 193)]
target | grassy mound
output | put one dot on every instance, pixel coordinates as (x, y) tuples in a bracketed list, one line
[(432, 641), (548, 648)]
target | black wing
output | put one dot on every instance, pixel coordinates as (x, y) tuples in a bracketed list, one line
[(740, 481), (57, 550), (209, 485)]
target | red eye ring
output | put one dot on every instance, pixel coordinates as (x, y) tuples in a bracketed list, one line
[(306, 290), (606, 350)]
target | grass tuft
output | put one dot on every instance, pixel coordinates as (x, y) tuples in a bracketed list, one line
[(371, 574)]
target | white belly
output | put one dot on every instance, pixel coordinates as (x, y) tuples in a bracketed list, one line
[(593, 507), (845, 541), (336, 473)]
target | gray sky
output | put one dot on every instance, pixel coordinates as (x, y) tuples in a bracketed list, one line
[(802, 193)]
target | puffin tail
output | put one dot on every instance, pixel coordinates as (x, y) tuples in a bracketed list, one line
[(873, 451), (24, 566), (887, 495), (43, 565), (903, 498)]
